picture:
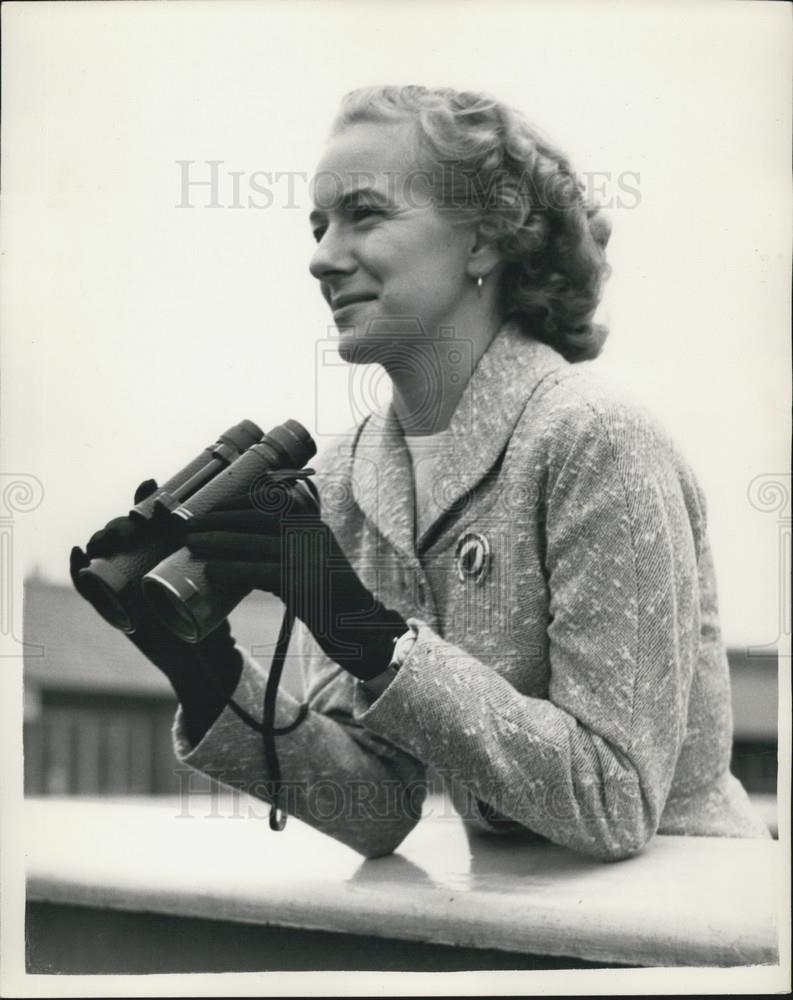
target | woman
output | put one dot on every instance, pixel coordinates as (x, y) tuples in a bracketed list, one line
[(512, 580)]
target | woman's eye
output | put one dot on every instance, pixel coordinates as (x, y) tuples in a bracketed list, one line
[(358, 213), (362, 212)]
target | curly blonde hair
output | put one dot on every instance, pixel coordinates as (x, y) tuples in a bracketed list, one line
[(490, 165)]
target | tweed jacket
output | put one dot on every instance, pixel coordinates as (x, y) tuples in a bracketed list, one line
[(575, 689)]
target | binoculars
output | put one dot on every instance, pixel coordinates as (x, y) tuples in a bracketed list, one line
[(162, 572)]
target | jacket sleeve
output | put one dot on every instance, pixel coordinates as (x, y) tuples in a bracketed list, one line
[(339, 777), (589, 767)]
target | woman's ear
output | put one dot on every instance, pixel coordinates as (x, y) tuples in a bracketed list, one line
[(482, 257)]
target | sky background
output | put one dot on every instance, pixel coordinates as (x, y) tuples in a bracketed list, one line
[(133, 330)]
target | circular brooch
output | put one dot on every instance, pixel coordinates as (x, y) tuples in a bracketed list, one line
[(472, 557)]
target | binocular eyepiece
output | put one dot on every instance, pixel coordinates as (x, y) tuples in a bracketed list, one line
[(163, 572)]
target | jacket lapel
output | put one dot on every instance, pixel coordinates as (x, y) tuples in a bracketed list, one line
[(507, 375), (503, 381), (382, 481)]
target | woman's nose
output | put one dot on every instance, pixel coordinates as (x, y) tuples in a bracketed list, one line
[(332, 256)]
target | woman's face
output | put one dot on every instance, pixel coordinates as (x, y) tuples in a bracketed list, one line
[(389, 264)]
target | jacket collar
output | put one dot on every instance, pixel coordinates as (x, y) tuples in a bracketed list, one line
[(503, 381)]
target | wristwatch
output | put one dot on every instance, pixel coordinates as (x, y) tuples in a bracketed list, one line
[(402, 647)]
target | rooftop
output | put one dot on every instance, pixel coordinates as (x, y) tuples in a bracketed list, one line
[(80, 651)]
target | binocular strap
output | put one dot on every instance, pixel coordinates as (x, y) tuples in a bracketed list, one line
[(267, 726), (269, 732)]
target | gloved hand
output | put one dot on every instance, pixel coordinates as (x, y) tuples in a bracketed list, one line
[(275, 540), (203, 675)]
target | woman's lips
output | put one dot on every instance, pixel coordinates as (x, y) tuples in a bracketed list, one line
[(346, 303)]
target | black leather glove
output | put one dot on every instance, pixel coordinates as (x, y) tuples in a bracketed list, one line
[(275, 540), (203, 675)]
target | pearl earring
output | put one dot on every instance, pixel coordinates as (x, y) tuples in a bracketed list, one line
[(479, 286)]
